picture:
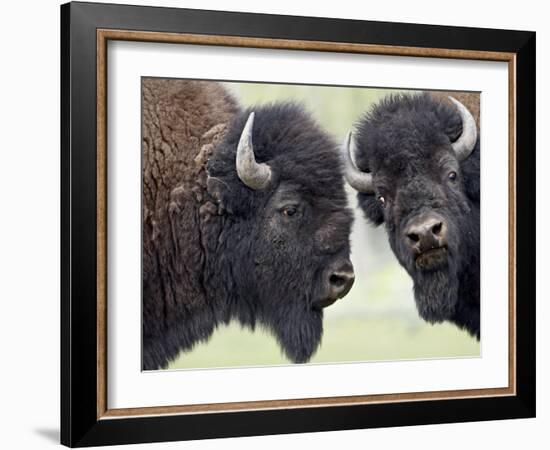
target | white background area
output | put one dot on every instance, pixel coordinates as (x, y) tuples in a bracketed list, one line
[(129, 387), (29, 191)]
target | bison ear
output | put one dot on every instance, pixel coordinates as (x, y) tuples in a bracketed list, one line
[(371, 208), (215, 188), (230, 197)]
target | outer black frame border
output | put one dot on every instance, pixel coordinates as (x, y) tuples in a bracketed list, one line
[(79, 424)]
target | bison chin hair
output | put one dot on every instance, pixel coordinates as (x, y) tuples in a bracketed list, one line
[(436, 294), (298, 332)]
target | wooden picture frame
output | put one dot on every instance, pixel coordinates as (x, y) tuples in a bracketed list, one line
[(86, 418)]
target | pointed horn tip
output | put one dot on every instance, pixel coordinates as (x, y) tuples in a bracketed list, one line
[(246, 134), (249, 124), (360, 181), (459, 105), (347, 142), (346, 149), (455, 101), (250, 120), (253, 174), (464, 145), (349, 137)]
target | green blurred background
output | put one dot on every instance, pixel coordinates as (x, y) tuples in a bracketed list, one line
[(377, 320)]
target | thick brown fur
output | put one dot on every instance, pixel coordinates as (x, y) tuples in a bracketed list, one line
[(182, 121)]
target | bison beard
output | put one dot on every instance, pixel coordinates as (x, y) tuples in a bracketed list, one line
[(217, 242), (436, 291), (297, 330), (436, 294), (414, 153)]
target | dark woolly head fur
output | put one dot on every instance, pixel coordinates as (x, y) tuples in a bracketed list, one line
[(279, 261), (405, 141), (229, 252)]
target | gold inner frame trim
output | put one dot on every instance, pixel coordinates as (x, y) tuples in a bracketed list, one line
[(103, 36)]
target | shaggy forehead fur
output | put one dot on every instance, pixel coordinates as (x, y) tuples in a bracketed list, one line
[(402, 129), (295, 147)]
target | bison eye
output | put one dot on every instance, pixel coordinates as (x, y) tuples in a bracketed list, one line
[(289, 211), (452, 175), (382, 200)]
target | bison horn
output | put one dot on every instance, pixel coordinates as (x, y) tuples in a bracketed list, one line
[(465, 144), (254, 175), (360, 181)]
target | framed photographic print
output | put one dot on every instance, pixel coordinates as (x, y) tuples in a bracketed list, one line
[(276, 224)]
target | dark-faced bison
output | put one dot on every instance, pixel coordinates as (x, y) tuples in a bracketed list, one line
[(245, 218), (417, 171)]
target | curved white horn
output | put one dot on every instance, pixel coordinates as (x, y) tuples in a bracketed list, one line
[(465, 144), (254, 175), (360, 181)]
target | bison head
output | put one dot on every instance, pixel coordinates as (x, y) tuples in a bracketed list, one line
[(417, 171), (278, 182)]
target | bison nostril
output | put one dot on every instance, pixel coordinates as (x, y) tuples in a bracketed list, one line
[(340, 283), (413, 237), (436, 229), (337, 280)]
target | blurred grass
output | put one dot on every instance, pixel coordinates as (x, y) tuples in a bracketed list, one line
[(377, 320), (345, 340)]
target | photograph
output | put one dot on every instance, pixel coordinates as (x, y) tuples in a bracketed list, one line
[(297, 223)]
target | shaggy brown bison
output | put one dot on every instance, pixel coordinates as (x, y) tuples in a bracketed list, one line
[(417, 171), (244, 218)]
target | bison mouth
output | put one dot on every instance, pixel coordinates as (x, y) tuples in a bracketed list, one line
[(432, 259), (321, 304), (334, 296)]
